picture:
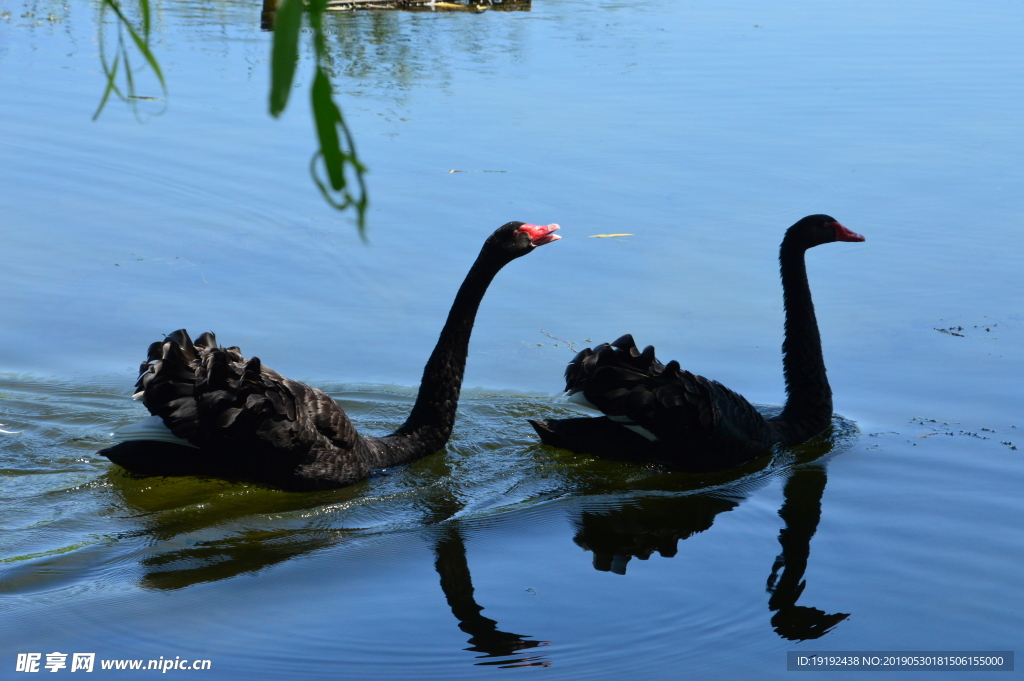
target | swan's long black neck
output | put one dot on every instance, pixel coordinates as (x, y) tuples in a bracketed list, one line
[(808, 409), (430, 424)]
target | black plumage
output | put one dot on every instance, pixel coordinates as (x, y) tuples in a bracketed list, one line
[(246, 421), (661, 413)]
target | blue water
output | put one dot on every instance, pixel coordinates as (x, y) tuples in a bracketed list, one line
[(703, 132)]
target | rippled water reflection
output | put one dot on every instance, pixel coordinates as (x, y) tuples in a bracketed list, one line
[(85, 528), (701, 131)]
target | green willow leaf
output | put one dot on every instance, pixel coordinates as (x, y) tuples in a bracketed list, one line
[(143, 47), (316, 21), (284, 53), (337, 159), (327, 116), (337, 147), (110, 69), (140, 43), (111, 74), (337, 153)]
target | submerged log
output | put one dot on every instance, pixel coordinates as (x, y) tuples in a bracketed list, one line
[(431, 5), (477, 6), (268, 14)]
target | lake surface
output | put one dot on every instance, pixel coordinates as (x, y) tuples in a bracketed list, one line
[(703, 132)]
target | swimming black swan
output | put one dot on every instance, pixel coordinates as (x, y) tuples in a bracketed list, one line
[(663, 414), (234, 418)]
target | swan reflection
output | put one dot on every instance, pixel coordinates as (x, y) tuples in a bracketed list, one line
[(194, 531), (642, 526), (801, 511), (183, 532), (457, 584)]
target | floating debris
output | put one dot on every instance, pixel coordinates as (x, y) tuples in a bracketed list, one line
[(945, 429), (570, 344), (608, 236)]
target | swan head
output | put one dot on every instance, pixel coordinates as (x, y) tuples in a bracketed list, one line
[(516, 239), (815, 230)]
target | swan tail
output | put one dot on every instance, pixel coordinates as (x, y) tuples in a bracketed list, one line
[(701, 424), (149, 429), (598, 436), (151, 457), (247, 419)]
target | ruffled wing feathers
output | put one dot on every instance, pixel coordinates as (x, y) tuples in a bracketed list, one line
[(687, 413), (257, 423)]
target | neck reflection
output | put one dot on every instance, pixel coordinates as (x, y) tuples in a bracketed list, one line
[(801, 511), (457, 584)]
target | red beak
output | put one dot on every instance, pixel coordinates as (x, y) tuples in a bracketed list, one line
[(844, 234), (541, 234)]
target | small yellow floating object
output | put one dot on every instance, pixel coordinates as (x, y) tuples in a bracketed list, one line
[(607, 236)]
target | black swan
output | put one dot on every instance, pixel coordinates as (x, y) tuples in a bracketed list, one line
[(216, 414), (663, 414)]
